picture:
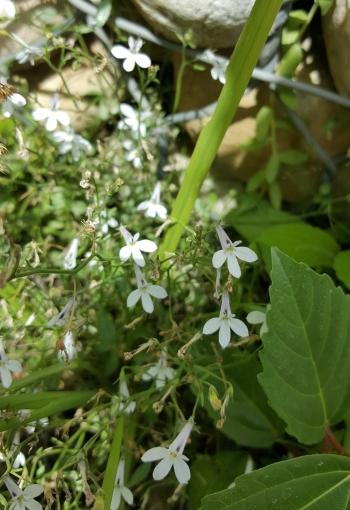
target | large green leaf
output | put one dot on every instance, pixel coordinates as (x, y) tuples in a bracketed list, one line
[(313, 482), (306, 354), (303, 242)]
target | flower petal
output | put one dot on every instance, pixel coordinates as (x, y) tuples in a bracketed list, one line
[(6, 377), (233, 266), (14, 365), (129, 63), (133, 298), (116, 498), (211, 326), (137, 256), (182, 471), (146, 245), (157, 453), (239, 327), (246, 254), (51, 122), (40, 113), (256, 317), (127, 495), (219, 258), (31, 504), (63, 118), (224, 334), (124, 253), (143, 60), (162, 469), (147, 302), (157, 291), (120, 51), (33, 491)]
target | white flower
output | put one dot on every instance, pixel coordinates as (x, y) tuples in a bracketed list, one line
[(72, 142), (153, 207), (6, 367), (69, 351), (133, 154), (7, 9), (20, 459), (225, 323), (10, 104), (22, 499), (61, 318), (159, 372), (257, 317), (230, 252), (52, 115), (219, 66), (134, 247), (171, 457), (29, 54), (107, 222), (125, 404), (131, 55), (144, 292), (120, 491), (70, 259), (133, 119)]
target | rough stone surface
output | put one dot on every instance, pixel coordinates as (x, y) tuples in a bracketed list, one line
[(336, 28), (214, 23)]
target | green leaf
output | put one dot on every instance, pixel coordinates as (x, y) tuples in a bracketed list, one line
[(325, 5), (211, 473), (313, 482), (293, 157), (303, 242), (103, 13), (291, 60), (306, 354), (342, 267), (254, 216), (275, 195), (263, 122), (256, 180), (272, 167)]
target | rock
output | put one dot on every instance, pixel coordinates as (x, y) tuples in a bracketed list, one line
[(336, 29), (214, 23)]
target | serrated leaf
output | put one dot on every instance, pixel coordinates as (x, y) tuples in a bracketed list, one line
[(303, 242), (342, 267), (306, 353), (313, 482)]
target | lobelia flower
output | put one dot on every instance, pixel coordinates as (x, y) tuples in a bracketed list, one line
[(70, 259), (69, 351), (257, 317), (219, 66), (134, 247), (144, 292), (68, 141), (120, 491), (153, 207), (133, 119), (23, 498), (225, 323), (52, 116), (29, 54), (20, 459), (61, 318), (13, 102), (230, 252), (107, 223), (131, 55), (171, 457), (133, 154), (6, 367), (7, 9), (159, 372), (125, 404)]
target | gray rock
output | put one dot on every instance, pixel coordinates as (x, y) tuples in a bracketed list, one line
[(214, 23), (336, 28)]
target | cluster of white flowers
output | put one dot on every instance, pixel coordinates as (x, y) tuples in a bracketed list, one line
[(226, 322)]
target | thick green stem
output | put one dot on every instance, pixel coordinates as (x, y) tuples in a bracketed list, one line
[(239, 71)]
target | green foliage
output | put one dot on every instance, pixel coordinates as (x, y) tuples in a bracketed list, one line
[(314, 482), (301, 241), (325, 5), (306, 351), (342, 267)]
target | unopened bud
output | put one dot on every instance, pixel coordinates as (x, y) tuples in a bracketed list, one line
[(214, 399)]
